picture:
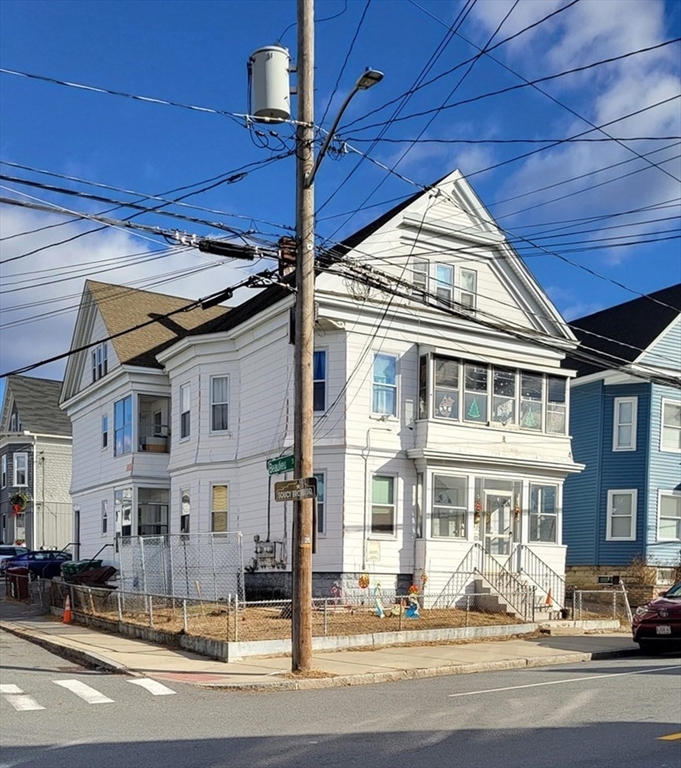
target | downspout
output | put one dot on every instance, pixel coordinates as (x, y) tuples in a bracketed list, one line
[(34, 532), (365, 453)]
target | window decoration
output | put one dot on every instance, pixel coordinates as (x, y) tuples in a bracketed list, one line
[(475, 394), (19, 501)]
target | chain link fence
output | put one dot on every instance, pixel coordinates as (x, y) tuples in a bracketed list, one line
[(234, 620), (203, 566), (601, 604)]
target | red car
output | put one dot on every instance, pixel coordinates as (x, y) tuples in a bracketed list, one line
[(657, 624)]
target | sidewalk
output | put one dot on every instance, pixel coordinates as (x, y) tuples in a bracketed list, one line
[(114, 653)]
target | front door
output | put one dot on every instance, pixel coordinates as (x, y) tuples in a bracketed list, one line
[(497, 524)]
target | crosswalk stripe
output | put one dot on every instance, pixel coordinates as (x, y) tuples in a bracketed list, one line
[(84, 691), (10, 689), (21, 702), (153, 686)]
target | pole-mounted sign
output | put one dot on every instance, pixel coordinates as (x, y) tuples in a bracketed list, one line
[(294, 490), (280, 465)]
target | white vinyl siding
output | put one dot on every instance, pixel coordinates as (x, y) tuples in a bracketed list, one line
[(621, 522), (624, 424)]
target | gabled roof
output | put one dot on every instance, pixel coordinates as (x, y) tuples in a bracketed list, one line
[(37, 404), (622, 332), (122, 308)]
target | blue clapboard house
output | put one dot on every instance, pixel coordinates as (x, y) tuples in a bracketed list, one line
[(626, 429)]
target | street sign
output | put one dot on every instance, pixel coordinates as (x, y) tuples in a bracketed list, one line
[(280, 465), (294, 490)]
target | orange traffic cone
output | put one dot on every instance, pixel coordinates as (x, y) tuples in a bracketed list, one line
[(549, 599), (67, 610)]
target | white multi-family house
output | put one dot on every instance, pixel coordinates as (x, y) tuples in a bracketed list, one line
[(441, 411)]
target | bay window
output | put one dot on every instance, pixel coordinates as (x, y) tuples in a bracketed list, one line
[(123, 426), (475, 393), (446, 388), (503, 398), (219, 403), (531, 400), (219, 508)]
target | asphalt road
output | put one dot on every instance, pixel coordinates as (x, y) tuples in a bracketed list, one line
[(605, 714)]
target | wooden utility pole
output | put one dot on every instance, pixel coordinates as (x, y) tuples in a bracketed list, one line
[(301, 616)]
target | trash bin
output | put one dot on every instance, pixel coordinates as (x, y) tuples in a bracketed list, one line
[(18, 580)]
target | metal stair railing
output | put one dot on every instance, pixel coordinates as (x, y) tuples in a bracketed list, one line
[(519, 596), (461, 578), (544, 577)]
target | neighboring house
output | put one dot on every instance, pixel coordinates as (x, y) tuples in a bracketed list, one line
[(626, 429), (441, 438), (35, 461)]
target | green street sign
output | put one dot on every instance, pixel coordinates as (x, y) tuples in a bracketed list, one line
[(280, 465)]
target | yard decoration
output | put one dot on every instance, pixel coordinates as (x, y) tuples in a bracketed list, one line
[(363, 580), (378, 603), (424, 579), (19, 501)]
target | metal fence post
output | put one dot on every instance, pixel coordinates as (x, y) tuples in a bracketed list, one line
[(468, 607), (326, 617), (184, 615), (229, 609), (236, 618), (151, 611), (120, 607), (400, 602)]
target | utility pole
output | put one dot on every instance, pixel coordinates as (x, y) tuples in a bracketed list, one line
[(301, 615)]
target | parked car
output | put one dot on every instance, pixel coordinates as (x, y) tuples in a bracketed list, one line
[(657, 624), (43, 563), (7, 552)]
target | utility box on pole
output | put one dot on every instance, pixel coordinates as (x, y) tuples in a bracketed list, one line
[(270, 89)]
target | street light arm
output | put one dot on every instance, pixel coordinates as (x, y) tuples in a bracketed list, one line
[(329, 136)]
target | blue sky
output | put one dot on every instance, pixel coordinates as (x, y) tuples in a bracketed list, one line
[(195, 53)]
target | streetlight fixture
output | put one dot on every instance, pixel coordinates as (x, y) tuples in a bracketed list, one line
[(366, 80)]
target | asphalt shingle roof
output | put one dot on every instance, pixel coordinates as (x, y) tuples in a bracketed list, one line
[(624, 330), (122, 308), (37, 403)]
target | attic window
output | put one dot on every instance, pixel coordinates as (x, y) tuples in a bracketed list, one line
[(100, 363)]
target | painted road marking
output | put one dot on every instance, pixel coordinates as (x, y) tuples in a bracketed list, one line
[(84, 691), (20, 701), (10, 689), (560, 682), (153, 686), (670, 737)]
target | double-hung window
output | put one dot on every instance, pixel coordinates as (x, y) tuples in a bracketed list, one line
[(20, 463), (671, 426), (444, 284), (123, 426), (3, 471), (621, 523), (321, 505), (185, 411), (669, 525), (219, 508), (446, 388), (449, 506), (468, 288), (319, 380), (503, 397), (384, 395), (543, 513), (531, 397), (185, 509), (105, 430), (556, 405), (383, 505), (219, 403), (105, 517), (419, 277), (100, 362), (624, 424), (475, 393)]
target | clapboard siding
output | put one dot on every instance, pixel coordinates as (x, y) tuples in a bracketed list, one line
[(666, 351), (581, 509)]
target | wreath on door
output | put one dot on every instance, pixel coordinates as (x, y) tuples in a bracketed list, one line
[(19, 501)]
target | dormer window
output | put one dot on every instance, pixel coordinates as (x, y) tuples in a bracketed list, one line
[(100, 363)]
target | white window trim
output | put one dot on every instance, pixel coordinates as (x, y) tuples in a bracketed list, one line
[(228, 403), (105, 517), (616, 423), (323, 474), (667, 401), (187, 387), (14, 469), (325, 379), (633, 492), (384, 536), (3, 480), (660, 494), (212, 511), (396, 386)]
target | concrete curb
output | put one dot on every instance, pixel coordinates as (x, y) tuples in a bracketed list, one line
[(86, 659), (345, 681)]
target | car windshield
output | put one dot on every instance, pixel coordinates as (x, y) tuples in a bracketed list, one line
[(675, 591)]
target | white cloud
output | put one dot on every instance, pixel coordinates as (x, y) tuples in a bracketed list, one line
[(41, 292)]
